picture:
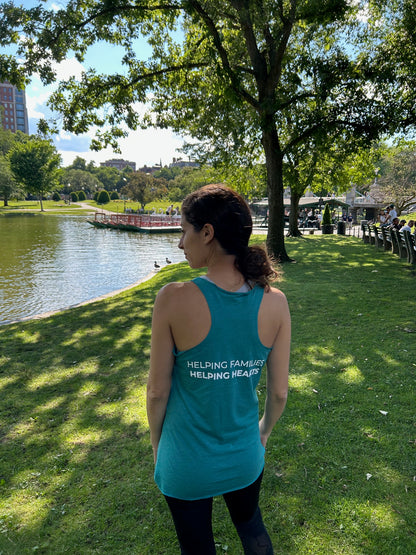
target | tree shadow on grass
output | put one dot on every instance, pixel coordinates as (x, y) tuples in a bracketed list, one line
[(76, 470), (342, 460), (76, 465)]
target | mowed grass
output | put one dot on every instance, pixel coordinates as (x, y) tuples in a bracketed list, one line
[(76, 470), (49, 206), (74, 208)]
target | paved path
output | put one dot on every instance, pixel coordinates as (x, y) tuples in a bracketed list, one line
[(87, 206)]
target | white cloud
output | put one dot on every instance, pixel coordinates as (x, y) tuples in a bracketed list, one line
[(68, 68), (145, 147)]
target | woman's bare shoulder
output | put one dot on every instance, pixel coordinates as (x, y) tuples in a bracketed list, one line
[(275, 295), (176, 292), (275, 303)]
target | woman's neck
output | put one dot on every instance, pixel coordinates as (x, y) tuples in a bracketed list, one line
[(224, 274)]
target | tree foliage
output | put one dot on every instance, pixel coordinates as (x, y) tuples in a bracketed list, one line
[(7, 182), (35, 164), (7, 139), (396, 182), (187, 180), (109, 177), (249, 80), (78, 180), (144, 188), (103, 197), (326, 217)]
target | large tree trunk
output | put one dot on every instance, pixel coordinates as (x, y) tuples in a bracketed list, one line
[(274, 167), (293, 215)]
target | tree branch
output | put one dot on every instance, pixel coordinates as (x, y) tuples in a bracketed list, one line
[(257, 58), (213, 31), (112, 10)]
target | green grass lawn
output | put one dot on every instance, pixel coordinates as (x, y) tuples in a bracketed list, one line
[(74, 208), (76, 471), (33, 206), (407, 217)]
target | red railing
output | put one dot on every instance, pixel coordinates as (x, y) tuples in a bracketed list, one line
[(138, 220)]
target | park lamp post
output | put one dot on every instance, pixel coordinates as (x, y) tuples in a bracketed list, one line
[(124, 196)]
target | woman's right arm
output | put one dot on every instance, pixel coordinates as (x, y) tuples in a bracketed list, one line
[(161, 365), (277, 372)]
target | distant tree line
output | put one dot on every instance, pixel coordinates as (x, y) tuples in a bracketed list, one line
[(30, 165)]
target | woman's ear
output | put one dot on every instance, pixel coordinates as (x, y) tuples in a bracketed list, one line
[(208, 233)]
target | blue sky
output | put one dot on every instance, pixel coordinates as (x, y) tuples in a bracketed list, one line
[(145, 147)]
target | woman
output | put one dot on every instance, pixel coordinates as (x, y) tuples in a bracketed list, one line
[(210, 339)]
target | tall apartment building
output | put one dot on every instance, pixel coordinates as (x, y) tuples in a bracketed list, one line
[(13, 112)]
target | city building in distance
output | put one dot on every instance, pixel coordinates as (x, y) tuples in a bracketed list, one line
[(119, 163), (13, 112), (176, 163), (180, 163)]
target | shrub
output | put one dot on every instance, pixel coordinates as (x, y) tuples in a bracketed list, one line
[(326, 218), (74, 197), (114, 196), (82, 195), (56, 197), (103, 197)]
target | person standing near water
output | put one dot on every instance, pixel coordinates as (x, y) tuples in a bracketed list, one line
[(211, 338)]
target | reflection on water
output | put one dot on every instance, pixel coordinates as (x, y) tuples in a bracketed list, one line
[(51, 262)]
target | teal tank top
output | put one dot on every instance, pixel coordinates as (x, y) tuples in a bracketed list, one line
[(210, 441)]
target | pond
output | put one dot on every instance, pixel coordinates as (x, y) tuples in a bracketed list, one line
[(50, 262)]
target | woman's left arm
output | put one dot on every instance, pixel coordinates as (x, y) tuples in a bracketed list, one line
[(161, 366)]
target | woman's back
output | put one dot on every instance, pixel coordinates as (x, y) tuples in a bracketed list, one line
[(190, 318), (210, 441)]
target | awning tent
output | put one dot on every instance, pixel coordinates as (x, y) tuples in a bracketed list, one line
[(311, 202), (316, 202)]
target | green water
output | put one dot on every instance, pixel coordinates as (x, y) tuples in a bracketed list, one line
[(51, 262)]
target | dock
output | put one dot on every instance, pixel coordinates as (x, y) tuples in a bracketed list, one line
[(142, 223)]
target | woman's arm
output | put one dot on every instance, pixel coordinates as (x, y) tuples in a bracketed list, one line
[(277, 373), (161, 366)]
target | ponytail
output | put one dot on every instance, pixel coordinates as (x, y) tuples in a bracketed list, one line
[(255, 265)]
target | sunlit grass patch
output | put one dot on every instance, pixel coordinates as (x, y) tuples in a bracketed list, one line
[(350, 517), (302, 381), (76, 467), (53, 376), (352, 374)]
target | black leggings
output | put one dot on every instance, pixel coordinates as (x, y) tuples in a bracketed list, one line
[(193, 522)]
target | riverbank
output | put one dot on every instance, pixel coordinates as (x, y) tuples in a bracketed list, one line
[(51, 262), (76, 464)]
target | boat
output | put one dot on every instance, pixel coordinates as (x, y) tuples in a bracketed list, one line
[(142, 223)]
